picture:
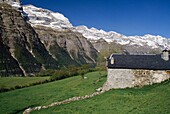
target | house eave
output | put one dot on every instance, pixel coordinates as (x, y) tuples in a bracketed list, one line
[(138, 68)]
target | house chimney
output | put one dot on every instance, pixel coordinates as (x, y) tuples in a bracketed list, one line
[(112, 61), (165, 55)]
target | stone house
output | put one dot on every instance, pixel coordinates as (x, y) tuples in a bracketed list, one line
[(126, 71)]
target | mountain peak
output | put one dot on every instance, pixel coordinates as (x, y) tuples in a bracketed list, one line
[(39, 16), (149, 40), (44, 17)]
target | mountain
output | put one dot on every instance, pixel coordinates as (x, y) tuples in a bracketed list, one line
[(25, 50), (144, 43), (146, 40), (22, 45), (66, 46), (133, 44), (37, 39), (47, 18)]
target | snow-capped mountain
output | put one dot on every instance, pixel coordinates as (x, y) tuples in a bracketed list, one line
[(43, 17), (146, 40)]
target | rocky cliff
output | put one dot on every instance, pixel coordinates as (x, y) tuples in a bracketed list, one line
[(23, 43), (24, 52), (67, 47)]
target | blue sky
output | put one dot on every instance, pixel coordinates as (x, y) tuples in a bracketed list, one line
[(128, 17)]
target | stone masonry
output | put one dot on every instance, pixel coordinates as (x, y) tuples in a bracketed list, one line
[(128, 78)]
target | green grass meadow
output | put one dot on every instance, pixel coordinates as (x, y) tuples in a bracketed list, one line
[(18, 100), (153, 99), (9, 82)]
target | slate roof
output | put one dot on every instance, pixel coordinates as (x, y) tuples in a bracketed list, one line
[(150, 62)]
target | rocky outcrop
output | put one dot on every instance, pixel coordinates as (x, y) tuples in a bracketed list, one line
[(67, 47), (23, 43), (101, 45)]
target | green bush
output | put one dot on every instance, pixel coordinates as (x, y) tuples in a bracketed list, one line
[(72, 71), (48, 72)]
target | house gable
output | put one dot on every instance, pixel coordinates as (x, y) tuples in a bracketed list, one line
[(136, 70)]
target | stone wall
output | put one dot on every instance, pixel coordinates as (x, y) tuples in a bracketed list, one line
[(29, 110), (127, 78)]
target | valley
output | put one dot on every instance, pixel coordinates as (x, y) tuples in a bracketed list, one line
[(149, 99), (46, 59), (51, 92), (137, 100)]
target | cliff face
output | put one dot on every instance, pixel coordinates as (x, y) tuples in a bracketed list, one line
[(67, 47), (8, 65), (24, 52), (23, 43)]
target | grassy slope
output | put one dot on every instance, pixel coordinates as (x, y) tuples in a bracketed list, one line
[(16, 101), (147, 100), (8, 82)]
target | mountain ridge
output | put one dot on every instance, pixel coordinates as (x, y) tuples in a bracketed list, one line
[(24, 53), (44, 17), (93, 34)]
